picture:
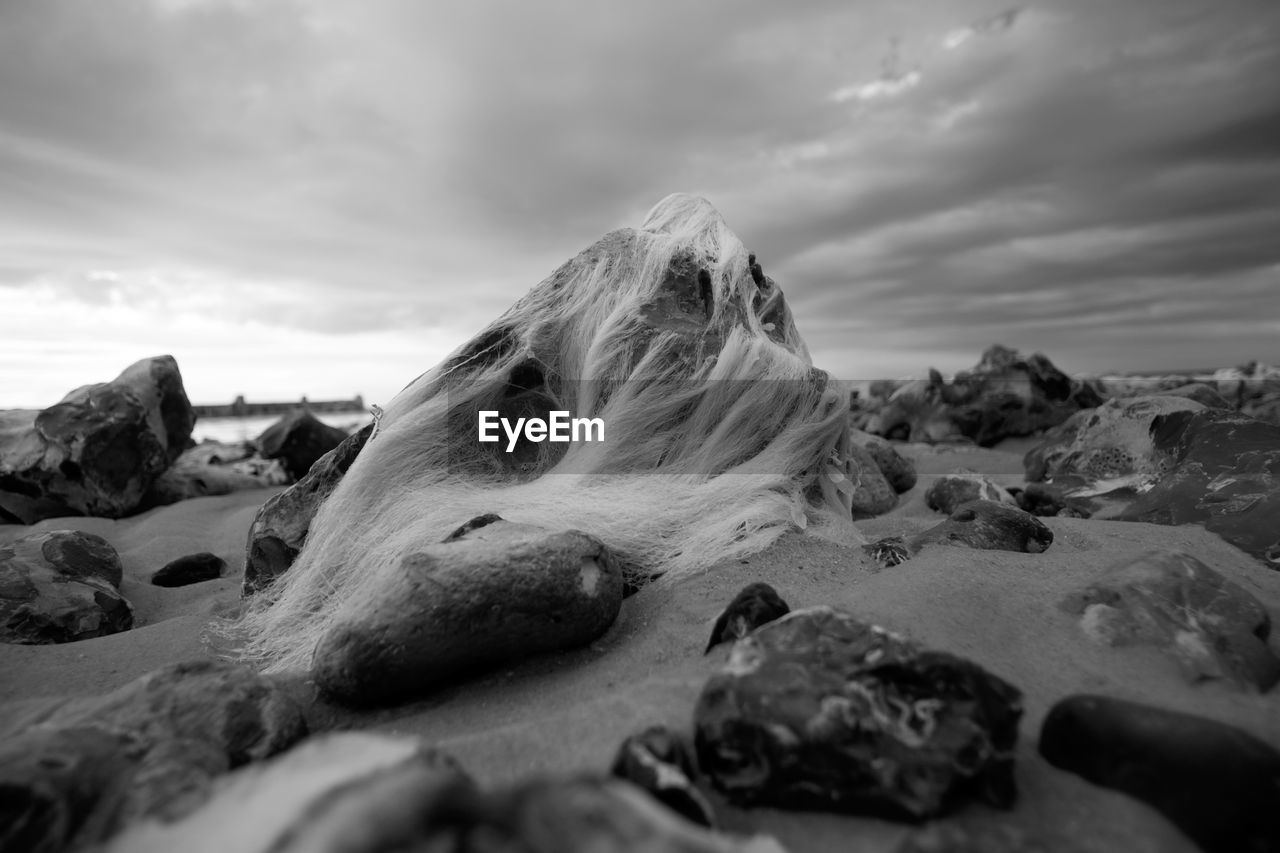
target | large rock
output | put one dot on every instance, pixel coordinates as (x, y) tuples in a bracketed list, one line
[(1217, 783), (898, 470), (1169, 460), (59, 587), (821, 711), (298, 440), (98, 450), (491, 595), (280, 528), (1003, 396), (149, 749), (364, 793), (1214, 628)]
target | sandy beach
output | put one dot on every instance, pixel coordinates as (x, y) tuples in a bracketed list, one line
[(568, 712)]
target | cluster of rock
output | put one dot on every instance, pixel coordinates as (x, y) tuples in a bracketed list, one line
[(1005, 395), (116, 448)]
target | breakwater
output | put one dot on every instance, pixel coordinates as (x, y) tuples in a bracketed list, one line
[(241, 408)]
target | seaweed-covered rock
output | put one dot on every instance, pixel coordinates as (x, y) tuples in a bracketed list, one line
[(298, 440), (149, 749), (280, 528), (1214, 628), (60, 587), (494, 595), (961, 486), (819, 710), (98, 450), (1218, 784)]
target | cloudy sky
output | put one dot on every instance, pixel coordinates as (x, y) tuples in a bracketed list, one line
[(324, 197)]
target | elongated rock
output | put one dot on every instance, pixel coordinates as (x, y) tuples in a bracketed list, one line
[(819, 710), (1220, 785), (494, 595)]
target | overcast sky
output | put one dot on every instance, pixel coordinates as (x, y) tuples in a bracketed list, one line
[(326, 197)]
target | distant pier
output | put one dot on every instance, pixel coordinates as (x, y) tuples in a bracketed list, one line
[(242, 409)]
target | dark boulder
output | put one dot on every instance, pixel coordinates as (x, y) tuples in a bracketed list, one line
[(280, 528), (99, 450), (59, 587), (298, 440), (757, 604), (189, 569), (819, 710), (1217, 783)]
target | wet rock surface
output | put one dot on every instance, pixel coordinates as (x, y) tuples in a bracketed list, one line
[(281, 526), (298, 440), (60, 587), (819, 710), (98, 450), (496, 594), (192, 568), (1217, 783), (150, 749), (1214, 628)]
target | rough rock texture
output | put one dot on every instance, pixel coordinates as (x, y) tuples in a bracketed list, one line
[(98, 450), (661, 762), (961, 486), (757, 604), (1204, 394), (1044, 500), (1224, 474), (1003, 396), (819, 710), (898, 470), (281, 526), (150, 749), (59, 587), (298, 440), (496, 594), (1217, 783), (192, 568), (1214, 628), (1111, 442), (872, 495), (362, 793), (1169, 460)]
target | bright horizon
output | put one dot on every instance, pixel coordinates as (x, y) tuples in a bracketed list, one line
[(296, 198)]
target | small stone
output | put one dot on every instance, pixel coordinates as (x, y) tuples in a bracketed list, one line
[(193, 568), (989, 526), (949, 491), (757, 604), (1217, 783), (872, 494), (660, 762), (495, 595), (60, 587), (1215, 629), (819, 710)]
